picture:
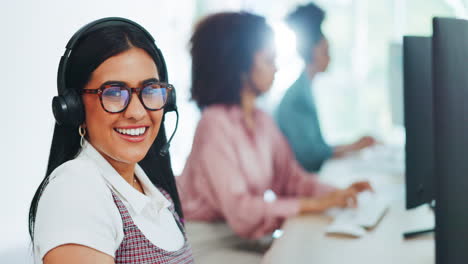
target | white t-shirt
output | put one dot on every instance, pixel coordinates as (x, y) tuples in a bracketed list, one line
[(77, 207)]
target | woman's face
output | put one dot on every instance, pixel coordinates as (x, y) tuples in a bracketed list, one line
[(109, 132), (263, 70), (321, 55)]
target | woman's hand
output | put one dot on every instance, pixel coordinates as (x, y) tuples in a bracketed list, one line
[(361, 186), (363, 142), (341, 198)]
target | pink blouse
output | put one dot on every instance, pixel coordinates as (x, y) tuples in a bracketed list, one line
[(230, 167)]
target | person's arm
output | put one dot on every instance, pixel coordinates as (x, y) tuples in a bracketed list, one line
[(363, 142), (292, 180), (248, 214), (76, 220), (337, 198), (298, 120), (341, 198), (76, 254)]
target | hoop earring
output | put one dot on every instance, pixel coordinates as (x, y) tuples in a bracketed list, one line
[(82, 133)]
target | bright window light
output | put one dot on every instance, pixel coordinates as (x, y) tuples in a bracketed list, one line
[(288, 62)]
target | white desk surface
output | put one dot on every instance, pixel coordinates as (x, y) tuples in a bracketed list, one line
[(304, 239)]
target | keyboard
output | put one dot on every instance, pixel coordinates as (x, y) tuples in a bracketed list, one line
[(382, 158), (371, 208)]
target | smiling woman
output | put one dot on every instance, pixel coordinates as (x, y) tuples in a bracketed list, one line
[(114, 134), (107, 197)]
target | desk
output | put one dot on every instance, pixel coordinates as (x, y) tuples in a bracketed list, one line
[(304, 240), (214, 243)]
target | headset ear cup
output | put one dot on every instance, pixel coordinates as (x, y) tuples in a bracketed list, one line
[(68, 109), (171, 102), (59, 109)]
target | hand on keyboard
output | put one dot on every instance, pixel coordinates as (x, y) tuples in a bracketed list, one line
[(341, 198), (347, 197), (370, 208)]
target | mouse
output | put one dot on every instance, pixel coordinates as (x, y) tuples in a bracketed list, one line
[(346, 229)]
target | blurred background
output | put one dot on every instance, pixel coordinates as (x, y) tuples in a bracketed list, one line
[(360, 94)]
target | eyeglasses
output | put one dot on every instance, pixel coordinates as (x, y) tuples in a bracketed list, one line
[(115, 96)]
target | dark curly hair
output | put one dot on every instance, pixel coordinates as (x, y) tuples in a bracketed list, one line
[(223, 46), (306, 22)]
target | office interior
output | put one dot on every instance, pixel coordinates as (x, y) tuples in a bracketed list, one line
[(361, 93)]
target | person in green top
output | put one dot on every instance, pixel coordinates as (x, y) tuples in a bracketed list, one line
[(296, 114)]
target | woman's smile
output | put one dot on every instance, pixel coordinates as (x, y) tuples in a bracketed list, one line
[(134, 134)]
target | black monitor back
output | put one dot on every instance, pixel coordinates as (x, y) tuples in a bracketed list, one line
[(450, 67), (419, 120)]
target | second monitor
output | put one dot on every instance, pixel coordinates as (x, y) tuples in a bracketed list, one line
[(419, 120)]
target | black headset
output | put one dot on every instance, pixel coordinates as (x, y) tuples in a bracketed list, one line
[(68, 107)]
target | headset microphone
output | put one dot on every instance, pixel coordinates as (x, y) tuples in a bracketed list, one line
[(165, 148)]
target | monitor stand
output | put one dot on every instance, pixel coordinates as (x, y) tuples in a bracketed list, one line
[(413, 234)]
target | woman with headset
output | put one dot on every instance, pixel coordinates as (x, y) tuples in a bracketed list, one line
[(108, 195), (241, 168)]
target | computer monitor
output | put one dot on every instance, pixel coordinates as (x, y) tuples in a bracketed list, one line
[(450, 67), (418, 120)]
